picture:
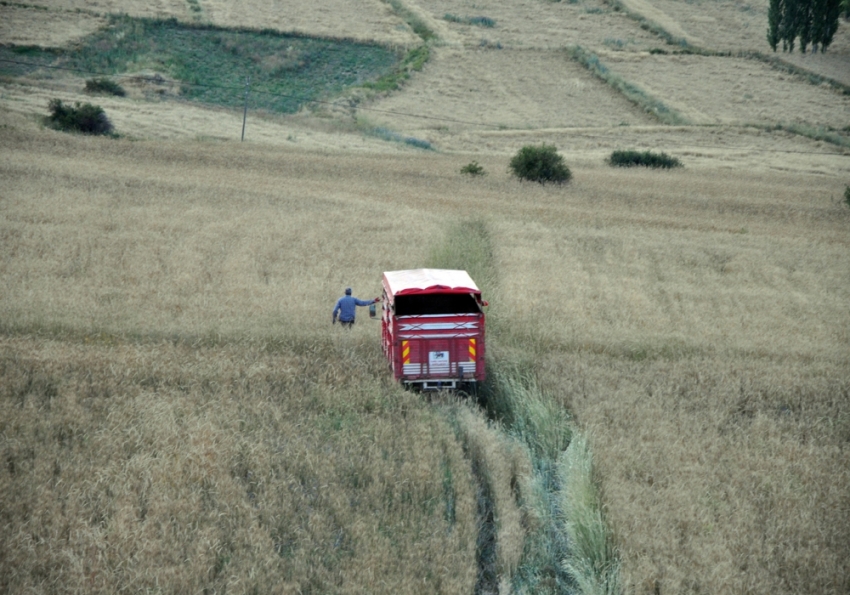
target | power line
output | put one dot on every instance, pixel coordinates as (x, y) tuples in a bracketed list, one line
[(158, 79)]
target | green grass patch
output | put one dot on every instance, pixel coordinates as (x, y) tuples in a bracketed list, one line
[(643, 159), (633, 93), (413, 61), (473, 169), (467, 246), (417, 24), (571, 545), (475, 21), (20, 60), (593, 560), (515, 399), (285, 71), (537, 420), (389, 135)]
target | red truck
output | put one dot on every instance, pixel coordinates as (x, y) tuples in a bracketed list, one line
[(432, 328)]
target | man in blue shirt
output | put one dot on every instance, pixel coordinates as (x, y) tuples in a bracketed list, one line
[(346, 307)]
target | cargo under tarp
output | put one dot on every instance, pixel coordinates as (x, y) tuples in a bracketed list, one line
[(424, 281)]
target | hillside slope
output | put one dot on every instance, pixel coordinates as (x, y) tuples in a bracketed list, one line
[(178, 414)]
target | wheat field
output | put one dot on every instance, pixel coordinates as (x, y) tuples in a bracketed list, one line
[(178, 414), (695, 325)]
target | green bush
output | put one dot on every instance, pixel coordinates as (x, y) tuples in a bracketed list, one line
[(473, 169), (477, 21), (847, 195), (643, 159), (540, 164), (105, 86), (85, 118)]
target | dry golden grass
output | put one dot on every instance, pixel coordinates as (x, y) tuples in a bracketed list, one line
[(722, 474), (22, 25), (694, 321), (364, 20), (499, 461), (507, 89), (171, 467), (728, 26), (723, 25), (539, 25), (698, 327), (171, 388), (752, 91)]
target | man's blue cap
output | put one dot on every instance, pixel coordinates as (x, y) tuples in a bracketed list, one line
[(347, 291)]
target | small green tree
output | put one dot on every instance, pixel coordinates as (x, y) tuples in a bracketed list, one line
[(85, 118), (847, 195), (473, 169), (540, 164)]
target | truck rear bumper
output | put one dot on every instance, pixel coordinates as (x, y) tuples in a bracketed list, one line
[(441, 384)]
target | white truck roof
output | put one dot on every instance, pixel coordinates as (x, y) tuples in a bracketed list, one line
[(429, 281)]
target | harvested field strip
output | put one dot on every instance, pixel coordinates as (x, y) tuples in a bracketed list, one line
[(840, 139), (684, 46), (753, 91), (633, 93)]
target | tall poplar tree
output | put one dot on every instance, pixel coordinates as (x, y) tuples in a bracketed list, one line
[(788, 32), (805, 15), (812, 21), (830, 26), (818, 14), (774, 22)]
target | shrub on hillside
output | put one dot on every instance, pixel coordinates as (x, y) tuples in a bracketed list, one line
[(85, 118), (847, 195), (643, 159), (477, 21), (473, 169), (105, 86), (540, 164)]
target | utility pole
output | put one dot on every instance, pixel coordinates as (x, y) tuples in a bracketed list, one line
[(245, 113)]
